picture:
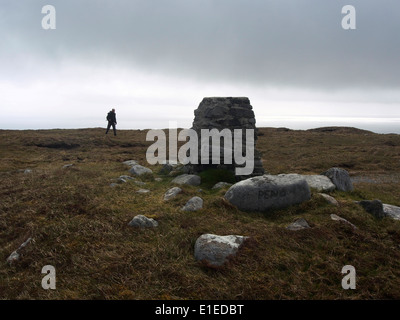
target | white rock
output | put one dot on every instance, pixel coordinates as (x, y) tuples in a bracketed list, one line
[(392, 211), (138, 170), (215, 250), (337, 218), (143, 191), (319, 182), (172, 193), (330, 199)]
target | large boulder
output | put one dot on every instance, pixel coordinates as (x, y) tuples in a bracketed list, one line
[(268, 192), (187, 179), (215, 250), (340, 178)]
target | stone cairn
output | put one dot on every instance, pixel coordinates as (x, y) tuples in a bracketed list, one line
[(226, 113)]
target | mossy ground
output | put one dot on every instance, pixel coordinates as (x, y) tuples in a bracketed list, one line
[(79, 223)]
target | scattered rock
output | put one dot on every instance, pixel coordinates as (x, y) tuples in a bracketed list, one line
[(138, 170), (221, 184), (330, 199), (67, 166), (130, 163), (141, 221), (126, 178), (215, 250), (172, 193), (121, 180), (27, 171), (374, 207), (158, 179), (194, 204), (319, 182), (268, 192), (337, 218), (143, 191), (140, 183), (340, 178), (166, 168), (187, 179), (299, 224), (391, 211), (15, 255)]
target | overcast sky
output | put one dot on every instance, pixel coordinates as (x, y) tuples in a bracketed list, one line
[(155, 60)]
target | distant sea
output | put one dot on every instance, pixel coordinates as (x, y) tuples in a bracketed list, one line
[(374, 125)]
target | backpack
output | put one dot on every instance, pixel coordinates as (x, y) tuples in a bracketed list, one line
[(108, 118)]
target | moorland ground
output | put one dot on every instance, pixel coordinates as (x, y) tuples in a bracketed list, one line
[(79, 223)]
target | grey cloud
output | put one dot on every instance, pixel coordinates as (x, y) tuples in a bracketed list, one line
[(269, 42)]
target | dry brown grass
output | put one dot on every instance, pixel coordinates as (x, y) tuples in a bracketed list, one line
[(79, 223)]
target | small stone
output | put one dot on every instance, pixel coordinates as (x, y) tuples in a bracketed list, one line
[(140, 183), (27, 171), (172, 193), (337, 218), (126, 177), (130, 163), (194, 204), (158, 179), (299, 224), (67, 166), (139, 170), (221, 184), (330, 199), (187, 179), (215, 250), (141, 221), (142, 191)]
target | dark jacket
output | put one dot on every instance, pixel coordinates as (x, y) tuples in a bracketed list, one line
[(111, 117)]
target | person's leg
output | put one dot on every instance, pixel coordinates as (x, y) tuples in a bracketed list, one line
[(108, 126), (115, 131)]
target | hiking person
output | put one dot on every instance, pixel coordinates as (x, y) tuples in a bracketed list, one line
[(112, 121)]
